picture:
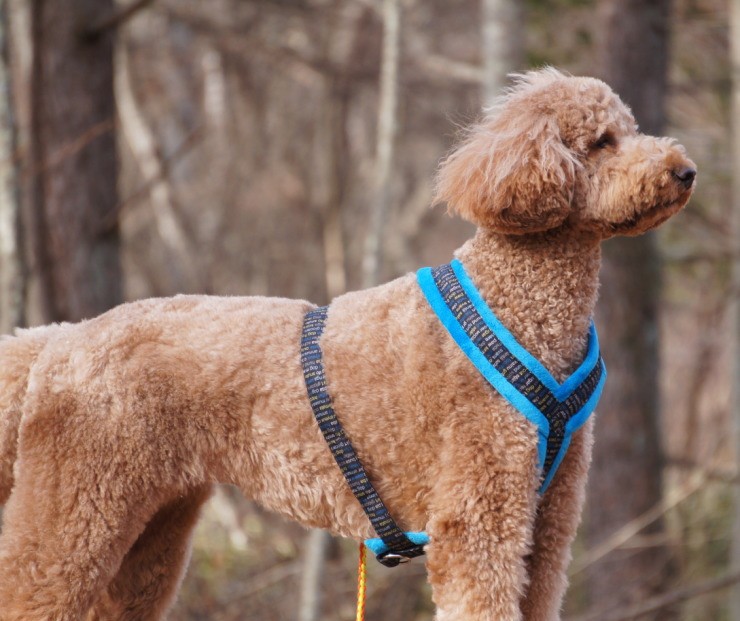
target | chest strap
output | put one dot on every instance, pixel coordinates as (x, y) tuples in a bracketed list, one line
[(394, 545), (558, 409)]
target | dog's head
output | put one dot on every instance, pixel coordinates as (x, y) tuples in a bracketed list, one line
[(559, 150)]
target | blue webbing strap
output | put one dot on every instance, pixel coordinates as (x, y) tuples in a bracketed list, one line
[(558, 410), (395, 544)]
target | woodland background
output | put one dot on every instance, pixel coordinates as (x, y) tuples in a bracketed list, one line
[(287, 147)]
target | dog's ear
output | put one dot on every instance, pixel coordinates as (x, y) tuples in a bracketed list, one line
[(512, 174)]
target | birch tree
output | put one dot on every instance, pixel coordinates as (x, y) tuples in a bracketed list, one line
[(502, 43), (387, 129), (12, 276)]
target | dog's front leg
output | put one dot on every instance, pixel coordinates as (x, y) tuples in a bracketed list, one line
[(481, 530), (555, 528)]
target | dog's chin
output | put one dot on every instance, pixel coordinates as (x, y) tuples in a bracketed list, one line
[(648, 219)]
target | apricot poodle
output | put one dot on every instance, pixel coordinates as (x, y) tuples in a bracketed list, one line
[(114, 430)]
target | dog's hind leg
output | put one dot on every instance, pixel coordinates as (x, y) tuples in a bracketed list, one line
[(83, 495), (145, 585), (53, 566), (555, 528)]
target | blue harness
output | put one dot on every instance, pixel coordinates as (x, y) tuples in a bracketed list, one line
[(558, 410)]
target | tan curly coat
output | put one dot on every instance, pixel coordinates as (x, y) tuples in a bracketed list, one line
[(113, 430)]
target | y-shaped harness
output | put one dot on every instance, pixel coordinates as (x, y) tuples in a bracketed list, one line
[(557, 409)]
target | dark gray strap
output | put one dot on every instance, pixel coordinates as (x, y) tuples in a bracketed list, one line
[(321, 403)]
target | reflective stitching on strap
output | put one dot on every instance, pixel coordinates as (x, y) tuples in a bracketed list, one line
[(339, 444)]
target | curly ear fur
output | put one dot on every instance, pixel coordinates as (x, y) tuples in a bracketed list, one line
[(512, 173)]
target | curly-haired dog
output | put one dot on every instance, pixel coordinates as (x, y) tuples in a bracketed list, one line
[(113, 430)]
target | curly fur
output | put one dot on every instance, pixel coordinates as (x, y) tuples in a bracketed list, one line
[(113, 430)]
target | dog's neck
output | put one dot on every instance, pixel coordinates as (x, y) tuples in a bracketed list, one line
[(542, 287)]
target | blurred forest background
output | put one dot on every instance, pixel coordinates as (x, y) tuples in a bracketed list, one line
[(287, 147)]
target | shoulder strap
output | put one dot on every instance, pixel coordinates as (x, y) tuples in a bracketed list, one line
[(397, 545), (558, 410)]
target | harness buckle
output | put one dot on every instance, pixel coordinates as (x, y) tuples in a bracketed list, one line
[(394, 558), (391, 559)]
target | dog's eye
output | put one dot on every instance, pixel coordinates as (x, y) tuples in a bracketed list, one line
[(605, 140)]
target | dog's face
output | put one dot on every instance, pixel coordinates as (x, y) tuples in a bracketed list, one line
[(564, 151)]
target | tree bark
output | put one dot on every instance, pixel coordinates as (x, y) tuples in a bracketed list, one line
[(75, 166), (626, 476)]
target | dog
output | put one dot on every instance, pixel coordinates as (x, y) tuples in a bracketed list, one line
[(114, 430)]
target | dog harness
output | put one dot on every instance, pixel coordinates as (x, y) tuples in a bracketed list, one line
[(558, 410)]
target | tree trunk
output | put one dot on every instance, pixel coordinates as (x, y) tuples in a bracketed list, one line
[(733, 309), (387, 129), (12, 272), (75, 166), (626, 476), (502, 43)]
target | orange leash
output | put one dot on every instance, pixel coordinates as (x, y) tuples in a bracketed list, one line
[(361, 583)]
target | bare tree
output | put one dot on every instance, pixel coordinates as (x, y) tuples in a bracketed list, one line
[(502, 42), (12, 273), (387, 129), (734, 303), (626, 476), (142, 142), (74, 159)]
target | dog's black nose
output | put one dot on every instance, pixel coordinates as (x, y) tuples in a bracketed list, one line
[(685, 175)]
